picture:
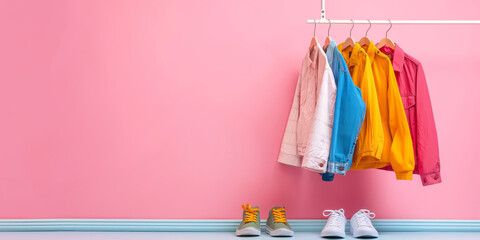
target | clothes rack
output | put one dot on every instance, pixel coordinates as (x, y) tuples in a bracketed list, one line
[(323, 20)]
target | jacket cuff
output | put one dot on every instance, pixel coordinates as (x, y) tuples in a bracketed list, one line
[(431, 178), (327, 177), (404, 175)]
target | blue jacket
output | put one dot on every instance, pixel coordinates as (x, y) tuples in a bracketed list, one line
[(348, 119)]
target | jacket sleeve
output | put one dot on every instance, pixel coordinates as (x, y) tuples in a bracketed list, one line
[(288, 151), (401, 152), (428, 159), (347, 121), (371, 138), (318, 146)]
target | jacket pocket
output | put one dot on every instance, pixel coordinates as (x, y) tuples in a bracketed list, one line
[(408, 102), (410, 110)]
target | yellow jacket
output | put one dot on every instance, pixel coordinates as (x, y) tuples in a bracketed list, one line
[(397, 146), (369, 145)]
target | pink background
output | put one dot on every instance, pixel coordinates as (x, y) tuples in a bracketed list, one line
[(176, 109)]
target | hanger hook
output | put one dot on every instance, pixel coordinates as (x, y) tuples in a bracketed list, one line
[(329, 26), (352, 27), (315, 29), (391, 25), (366, 34)]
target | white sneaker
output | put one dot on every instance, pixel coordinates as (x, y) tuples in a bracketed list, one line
[(335, 226), (361, 226)]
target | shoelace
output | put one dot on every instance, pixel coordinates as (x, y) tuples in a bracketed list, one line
[(279, 215), (335, 216), (250, 214), (364, 217)]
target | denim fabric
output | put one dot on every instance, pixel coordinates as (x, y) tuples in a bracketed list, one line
[(348, 119)]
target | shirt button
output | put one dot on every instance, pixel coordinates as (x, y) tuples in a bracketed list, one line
[(320, 164), (341, 168), (435, 178)]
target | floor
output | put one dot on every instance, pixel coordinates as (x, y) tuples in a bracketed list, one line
[(216, 235)]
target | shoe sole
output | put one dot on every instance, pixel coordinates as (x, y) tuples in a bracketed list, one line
[(281, 232), (248, 231), (368, 235), (333, 234)]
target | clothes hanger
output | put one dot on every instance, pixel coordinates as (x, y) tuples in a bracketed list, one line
[(328, 39), (386, 41), (350, 42), (314, 41), (366, 40)]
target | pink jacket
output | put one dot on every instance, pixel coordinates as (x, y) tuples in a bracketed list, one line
[(416, 101), (306, 141)]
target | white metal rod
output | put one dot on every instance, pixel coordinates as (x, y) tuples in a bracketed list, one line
[(325, 21), (323, 9)]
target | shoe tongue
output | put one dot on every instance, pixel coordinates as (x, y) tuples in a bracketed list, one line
[(275, 208), (366, 211)]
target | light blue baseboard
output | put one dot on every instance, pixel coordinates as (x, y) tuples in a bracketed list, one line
[(208, 225)]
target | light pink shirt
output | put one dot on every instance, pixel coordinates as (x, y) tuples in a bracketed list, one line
[(306, 141)]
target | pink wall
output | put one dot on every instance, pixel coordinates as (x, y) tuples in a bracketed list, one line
[(176, 109)]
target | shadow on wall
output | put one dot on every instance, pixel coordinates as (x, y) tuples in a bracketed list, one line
[(298, 187)]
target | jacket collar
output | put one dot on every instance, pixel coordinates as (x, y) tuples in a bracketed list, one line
[(330, 50), (398, 56), (311, 56), (371, 51), (352, 59)]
